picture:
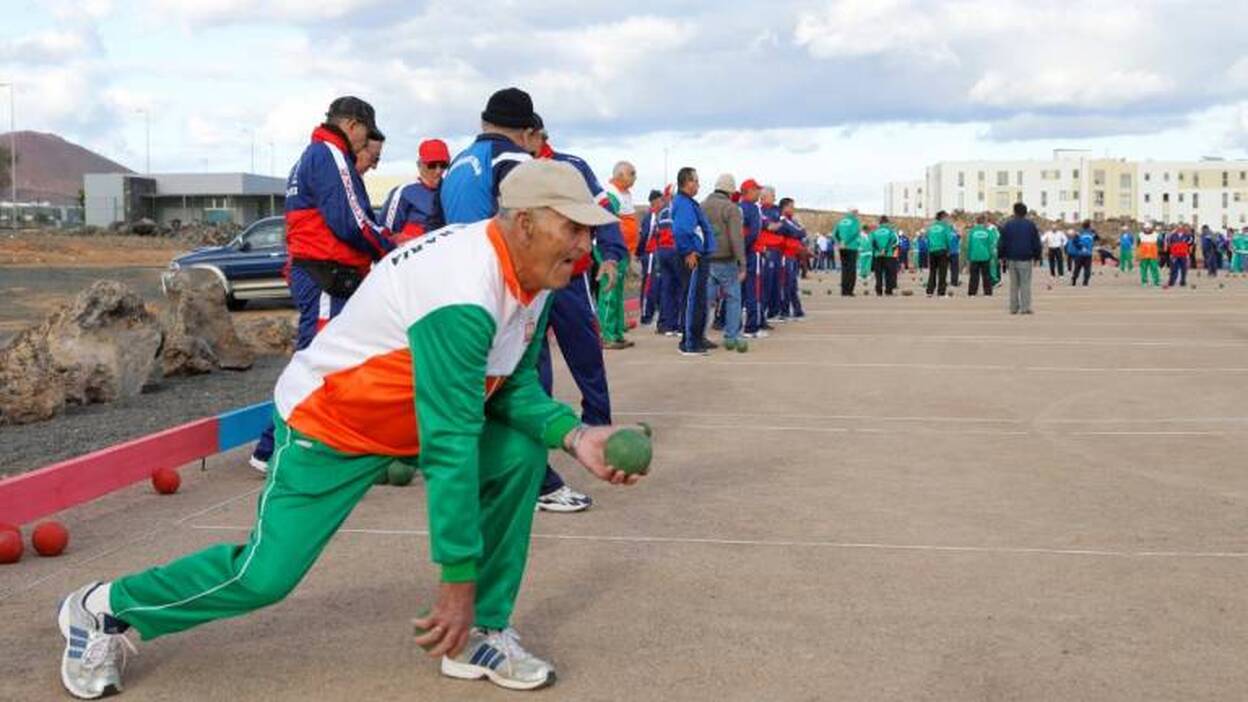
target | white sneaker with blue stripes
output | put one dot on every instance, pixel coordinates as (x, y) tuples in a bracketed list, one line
[(94, 658), (496, 654)]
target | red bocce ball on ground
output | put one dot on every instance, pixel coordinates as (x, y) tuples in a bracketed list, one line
[(10, 546), (166, 481), (50, 538)]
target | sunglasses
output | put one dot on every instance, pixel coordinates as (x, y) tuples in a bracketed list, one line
[(437, 166)]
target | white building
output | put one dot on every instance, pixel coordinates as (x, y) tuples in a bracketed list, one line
[(905, 199), (1073, 186)]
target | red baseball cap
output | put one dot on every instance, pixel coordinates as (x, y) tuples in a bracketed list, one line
[(434, 151), (749, 184)]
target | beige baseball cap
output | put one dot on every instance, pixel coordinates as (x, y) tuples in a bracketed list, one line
[(547, 183)]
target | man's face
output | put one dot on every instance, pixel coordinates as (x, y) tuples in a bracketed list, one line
[(368, 157), (750, 195), (552, 244), (628, 176), (357, 134), (787, 210), (534, 140), (431, 173), (691, 186), (767, 199)]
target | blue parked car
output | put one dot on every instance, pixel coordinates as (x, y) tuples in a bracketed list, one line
[(249, 267)]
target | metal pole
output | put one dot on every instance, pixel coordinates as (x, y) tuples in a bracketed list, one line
[(12, 148)]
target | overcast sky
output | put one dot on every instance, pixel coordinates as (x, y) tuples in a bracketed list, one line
[(827, 100)]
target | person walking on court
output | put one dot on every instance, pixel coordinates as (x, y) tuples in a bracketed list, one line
[(848, 233), (981, 248), (1055, 243), (1084, 246), (938, 237), (1020, 248)]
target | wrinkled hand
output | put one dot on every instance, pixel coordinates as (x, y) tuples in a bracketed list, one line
[(691, 261), (448, 623), (591, 452), (611, 271)]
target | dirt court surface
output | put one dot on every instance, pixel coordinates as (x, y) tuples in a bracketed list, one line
[(897, 499)]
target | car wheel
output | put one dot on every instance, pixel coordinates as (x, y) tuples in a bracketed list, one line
[(234, 304)]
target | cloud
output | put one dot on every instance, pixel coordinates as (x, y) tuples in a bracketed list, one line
[(1068, 87), (1032, 126)]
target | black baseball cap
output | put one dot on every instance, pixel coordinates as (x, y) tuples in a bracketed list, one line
[(357, 109)]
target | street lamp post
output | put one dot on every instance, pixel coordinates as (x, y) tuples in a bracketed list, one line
[(147, 135), (12, 148)]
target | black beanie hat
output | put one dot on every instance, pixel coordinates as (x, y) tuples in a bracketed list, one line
[(510, 107)]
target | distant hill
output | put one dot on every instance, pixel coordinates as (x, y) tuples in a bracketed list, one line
[(51, 169)]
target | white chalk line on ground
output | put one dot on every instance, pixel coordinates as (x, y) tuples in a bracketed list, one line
[(846, 545), (931, 418), (693, 362), (960, 432), (1024, 340), (145, 536)]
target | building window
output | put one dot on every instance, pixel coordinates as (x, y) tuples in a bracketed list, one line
[(1148, 177), (1124, 181), (1062, 195), (1124, 202), (1098, 198), (1180, 176), (1195, 200), (1003, 178), (1075, 174), (1019, 178), (1180, 197), (981, 176), (1074, 195), (1196, 180), (1226, 200), (1243, 219), (981, 196), (1098, 177), (1166, 176), (1165, 197), (1226, 179), (961, 179), (1044, 198), (1238, 197), (1148, 198)]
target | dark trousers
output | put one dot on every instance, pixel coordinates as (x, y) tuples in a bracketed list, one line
[(954, 266), (1178, 270), (752, 292), (649, 287), (693, 286), (1057, 263), (924, 260), (937, 277), (1081, 263), (667, 268), (772, 268), (980, 271), (849, 270), (316, 307), (792, 304), (575, 325), (885, 275)]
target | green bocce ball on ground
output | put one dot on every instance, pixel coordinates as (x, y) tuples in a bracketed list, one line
[(400, 473), (630, 451)]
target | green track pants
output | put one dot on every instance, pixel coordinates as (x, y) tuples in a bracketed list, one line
[(310, 490), (611, 306), (1148, 265), (1126, 261)]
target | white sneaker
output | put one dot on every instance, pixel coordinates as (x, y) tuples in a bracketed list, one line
[(259, 464), (94, 659), (565, 499), (497, 655)]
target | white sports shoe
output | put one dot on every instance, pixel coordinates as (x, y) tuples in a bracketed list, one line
[(496, 654), (94, 657), (565, 499), (259, 464)]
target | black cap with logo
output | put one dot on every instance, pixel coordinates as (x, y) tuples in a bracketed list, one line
[(354, 108)]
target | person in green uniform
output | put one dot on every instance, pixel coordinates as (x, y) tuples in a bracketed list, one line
[(981, 252), (1239, 251), (939, 236), (432, 361), (865, 253), (884, 243), (994, 266), (848, 233)]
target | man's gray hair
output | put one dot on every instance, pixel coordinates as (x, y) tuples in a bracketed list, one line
[(620, 167), (768, 190)]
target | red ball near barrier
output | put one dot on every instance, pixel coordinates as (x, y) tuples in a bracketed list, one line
[(10, 546), (50, 538), (166, 481)]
